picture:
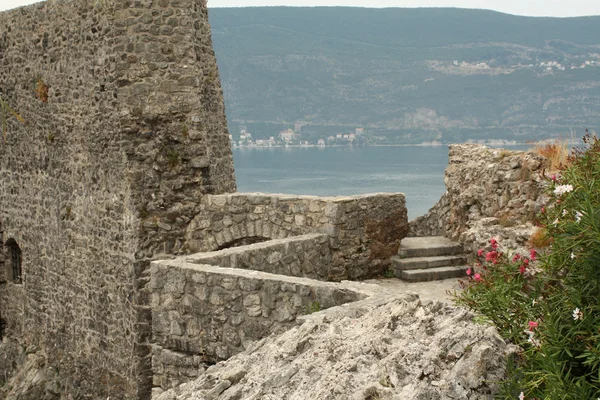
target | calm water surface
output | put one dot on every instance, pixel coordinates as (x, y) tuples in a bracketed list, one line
[(418, 172)]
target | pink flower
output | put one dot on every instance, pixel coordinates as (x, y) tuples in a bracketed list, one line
[(543, 210), (479, 252), (477, 277), (469, 272), (491, 256), (532, 325), (494, 244), (526, 262), (522, 269), (516, 257), (553, 178), (532, 254)]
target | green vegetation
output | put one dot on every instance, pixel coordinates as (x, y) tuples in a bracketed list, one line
[(173, 158), (550, 307), (392, 71), (314, 307)]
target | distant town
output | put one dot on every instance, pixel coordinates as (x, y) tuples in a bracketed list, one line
[(293, 138), (543, 67)]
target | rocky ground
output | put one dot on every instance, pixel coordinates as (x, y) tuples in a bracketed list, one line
[(406, 349)]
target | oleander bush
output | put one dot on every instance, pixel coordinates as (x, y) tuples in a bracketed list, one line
[(549, 304)]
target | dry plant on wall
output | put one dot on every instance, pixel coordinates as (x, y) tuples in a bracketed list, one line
[(5, 112), (41, 90), (557, 154)]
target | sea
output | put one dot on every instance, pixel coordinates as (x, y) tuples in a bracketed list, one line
[(416, 171)]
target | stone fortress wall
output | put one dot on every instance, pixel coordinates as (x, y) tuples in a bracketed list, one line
[(125, 159), (125, 133)]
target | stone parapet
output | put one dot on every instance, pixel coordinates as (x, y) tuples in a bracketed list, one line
[(307, 256), (204, 313), (364, 231)]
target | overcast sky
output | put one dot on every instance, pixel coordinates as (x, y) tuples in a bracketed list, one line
[(554, 8)]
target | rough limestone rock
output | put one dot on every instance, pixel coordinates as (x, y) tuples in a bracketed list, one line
[(490, 193), (512, 239), (406, 349)]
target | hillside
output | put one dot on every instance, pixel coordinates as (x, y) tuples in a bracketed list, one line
[(407, 75)]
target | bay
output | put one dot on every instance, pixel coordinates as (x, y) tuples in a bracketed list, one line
[(416, 171)]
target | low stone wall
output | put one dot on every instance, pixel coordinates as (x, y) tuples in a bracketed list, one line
[(435, 222), (364, 231), (204, 313), (490, 193), (306, 256)]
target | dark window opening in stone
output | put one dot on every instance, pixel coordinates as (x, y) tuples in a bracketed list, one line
[(14, 258), (243, 242), (2, 328)]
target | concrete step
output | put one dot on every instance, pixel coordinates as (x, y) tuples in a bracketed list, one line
[(405, 264), (432, 274), (428, 246)]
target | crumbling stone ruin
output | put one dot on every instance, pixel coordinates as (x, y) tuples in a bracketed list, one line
[(124, 159), (490, 193), (129, 260)]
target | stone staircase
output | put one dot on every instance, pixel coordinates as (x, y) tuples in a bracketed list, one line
[(429, 258)]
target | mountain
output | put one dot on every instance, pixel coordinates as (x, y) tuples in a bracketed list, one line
[(407, 75)]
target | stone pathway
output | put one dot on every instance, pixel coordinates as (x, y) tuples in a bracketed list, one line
[(432, 290)]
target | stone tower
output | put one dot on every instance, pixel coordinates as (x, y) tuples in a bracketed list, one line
[(125, 132)]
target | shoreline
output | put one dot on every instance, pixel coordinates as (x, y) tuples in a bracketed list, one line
[(306, 146)]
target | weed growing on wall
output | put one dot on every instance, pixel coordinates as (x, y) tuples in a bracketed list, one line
[(314, 307), (550, 307), (5, 112)]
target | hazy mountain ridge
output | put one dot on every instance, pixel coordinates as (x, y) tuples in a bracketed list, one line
[(407, 75)]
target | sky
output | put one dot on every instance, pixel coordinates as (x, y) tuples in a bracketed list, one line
[(550, 8)]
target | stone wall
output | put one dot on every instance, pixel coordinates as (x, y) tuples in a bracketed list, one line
[(203, 313), (490, 193), (125, 133), (435, 222), (365, 231), (307, 256)]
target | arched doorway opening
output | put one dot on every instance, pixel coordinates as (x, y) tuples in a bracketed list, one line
[(13, 258)]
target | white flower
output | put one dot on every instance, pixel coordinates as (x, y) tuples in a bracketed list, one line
[(565, 212), (534, 342), (577, 314), (578, 216), (560, 189), (522, 396), (556, 221), (573, 256)]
